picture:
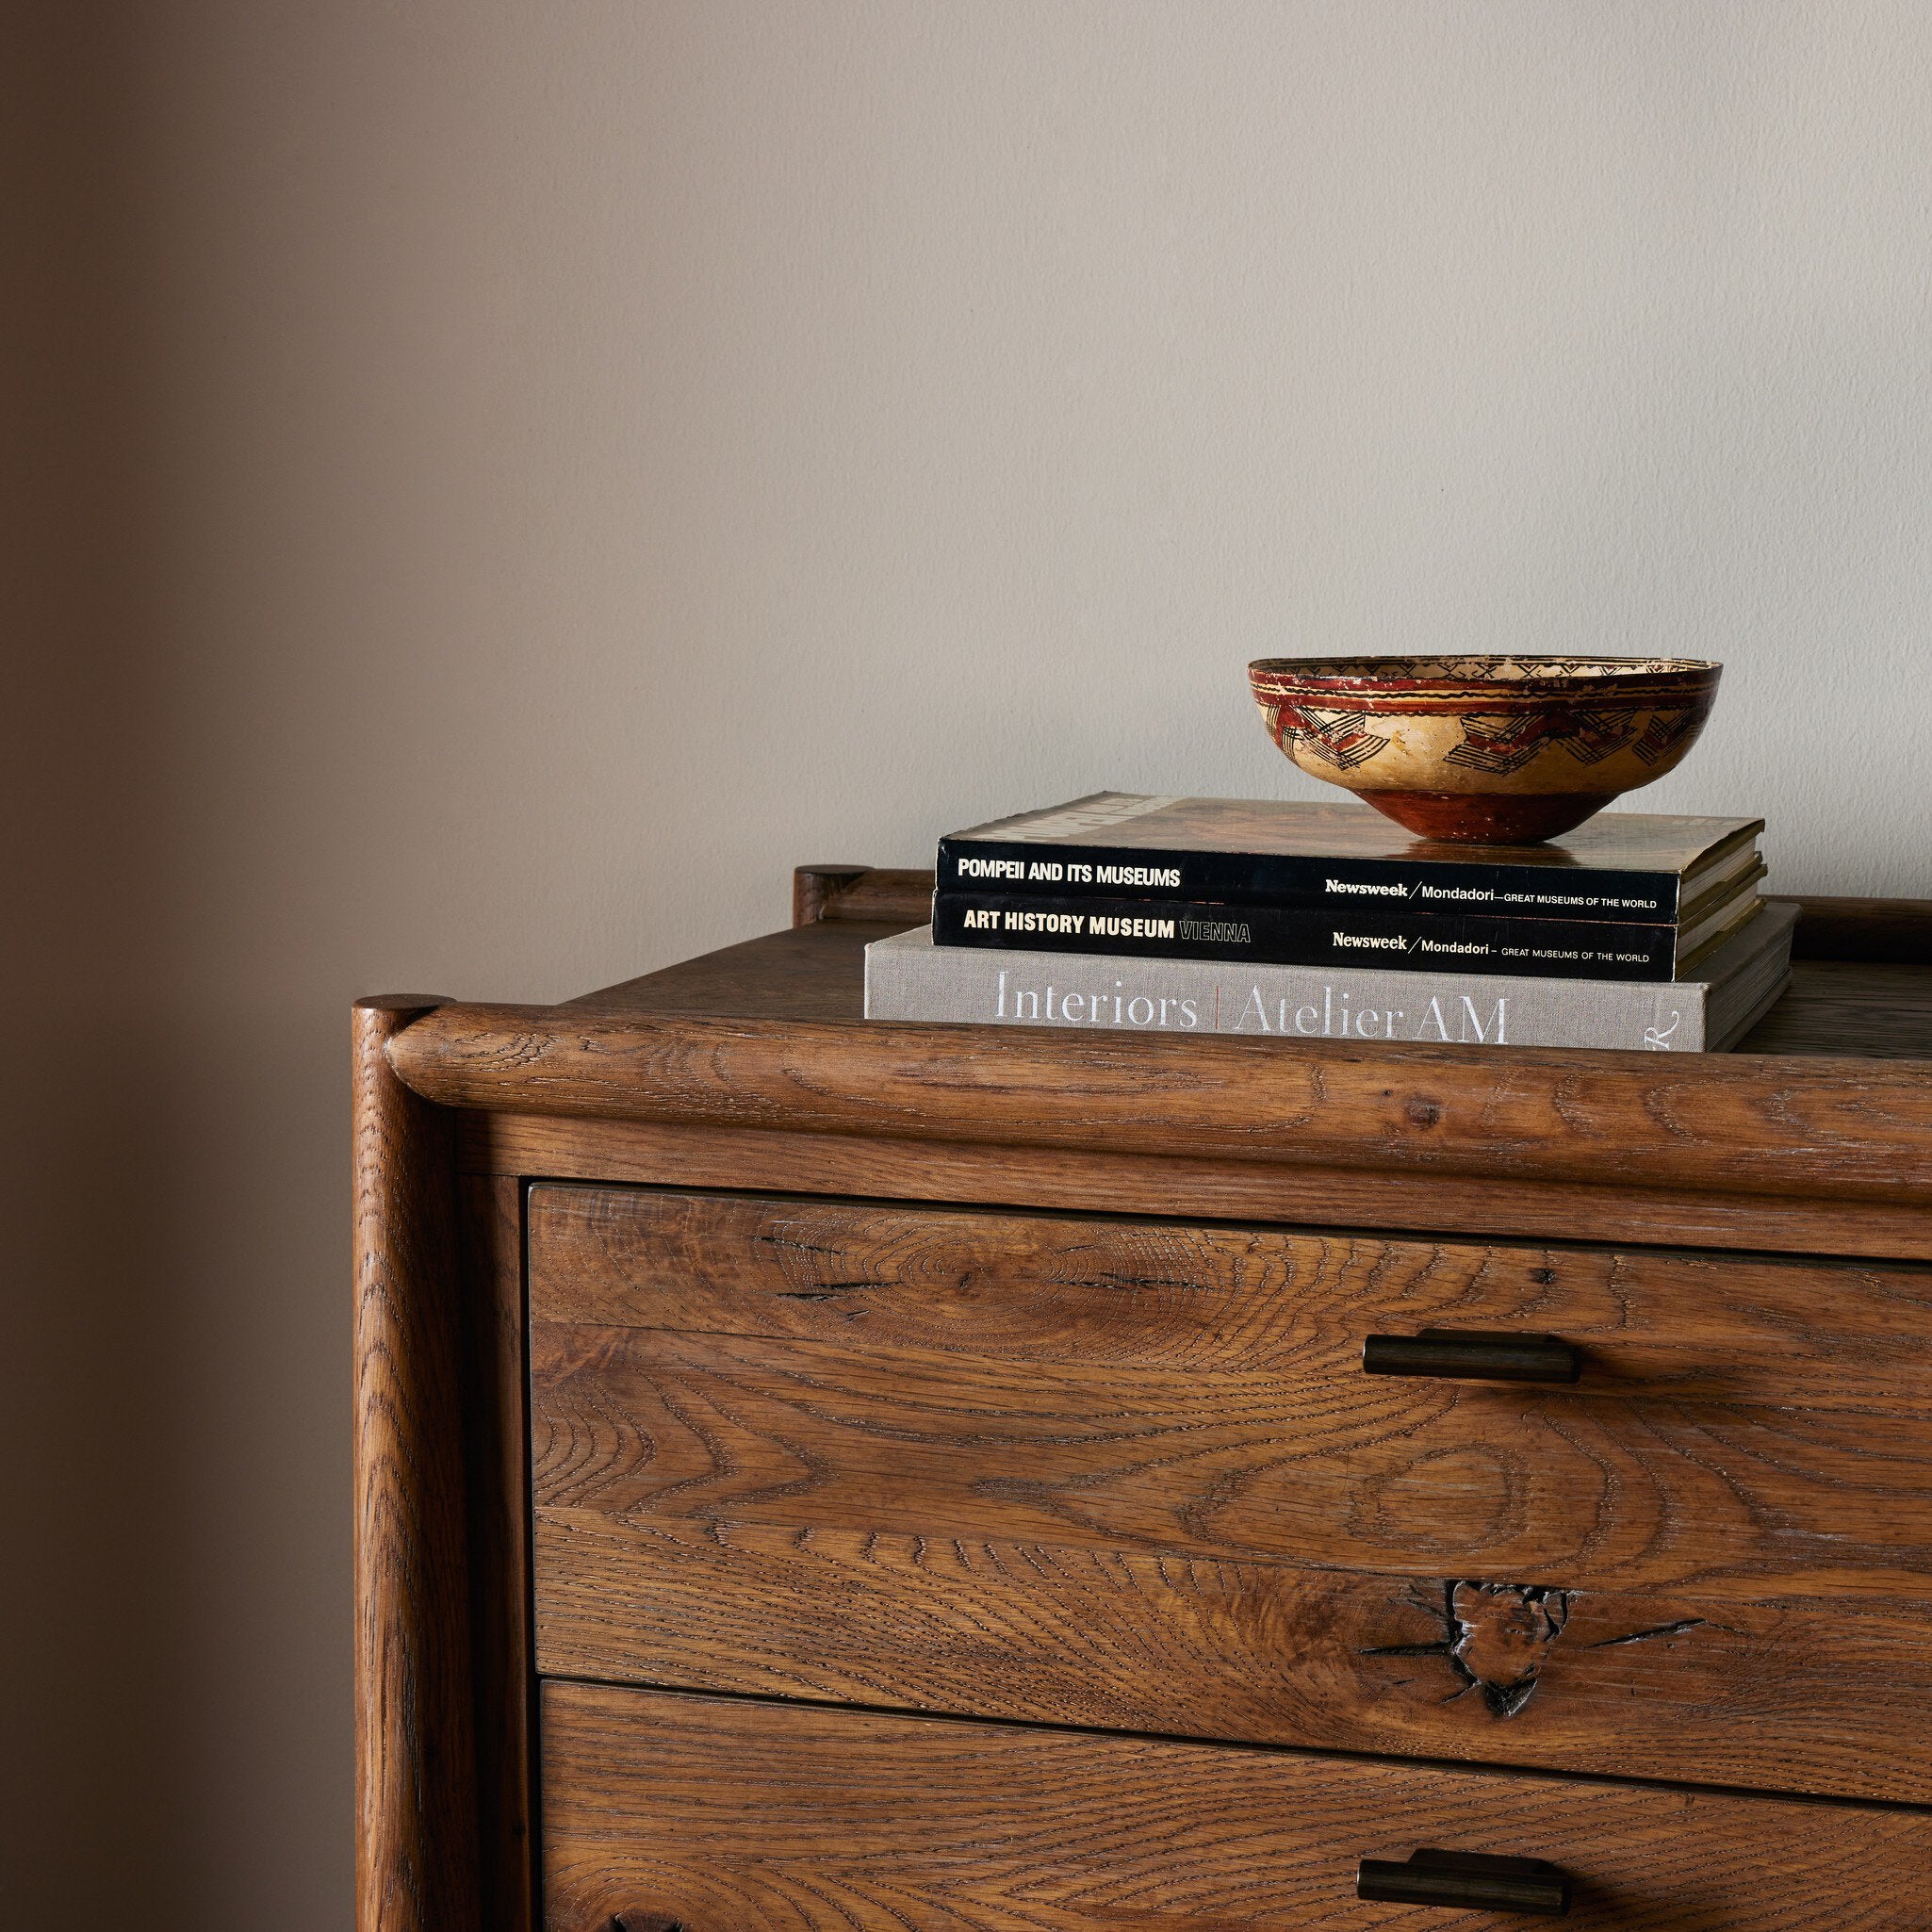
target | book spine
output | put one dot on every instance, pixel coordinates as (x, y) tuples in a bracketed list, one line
[(1448, 885), (905, 979), (1301, 936)]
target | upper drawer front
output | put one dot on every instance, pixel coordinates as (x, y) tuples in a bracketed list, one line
[(662, 1811), (1131, 1474), (1173, 1296)]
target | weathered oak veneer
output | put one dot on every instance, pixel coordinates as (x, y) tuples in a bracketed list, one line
[(813, 1474)]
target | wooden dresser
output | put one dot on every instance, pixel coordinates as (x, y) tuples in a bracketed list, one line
[(813, 1474)]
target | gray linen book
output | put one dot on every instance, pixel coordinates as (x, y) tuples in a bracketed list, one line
[(908, 978)]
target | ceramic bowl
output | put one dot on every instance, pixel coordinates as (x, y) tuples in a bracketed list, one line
[(1485, 751)]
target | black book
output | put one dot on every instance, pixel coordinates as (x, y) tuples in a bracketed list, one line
[(1641, 868), (1358, 936)]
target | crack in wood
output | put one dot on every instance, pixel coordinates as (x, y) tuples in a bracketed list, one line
[(1496, 1637), (1689, 1623)]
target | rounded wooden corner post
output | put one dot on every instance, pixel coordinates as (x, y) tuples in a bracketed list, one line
[(415, 1834)]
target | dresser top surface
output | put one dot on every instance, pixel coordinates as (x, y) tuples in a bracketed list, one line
[(1839, 1008), (813, 972), (1828, 1099)]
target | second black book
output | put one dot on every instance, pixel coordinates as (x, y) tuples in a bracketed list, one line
[(1296, 936)]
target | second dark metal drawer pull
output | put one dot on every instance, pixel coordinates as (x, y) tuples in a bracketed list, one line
[(1471, 1354), (1476, 1881)]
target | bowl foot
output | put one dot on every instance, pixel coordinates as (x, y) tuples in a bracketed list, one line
[(1488, 818)]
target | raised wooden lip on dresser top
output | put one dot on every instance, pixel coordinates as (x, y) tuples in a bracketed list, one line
[(1838, 1128)]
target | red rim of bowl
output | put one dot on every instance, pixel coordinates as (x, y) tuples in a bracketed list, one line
[(1309, 675), (1677, 682)]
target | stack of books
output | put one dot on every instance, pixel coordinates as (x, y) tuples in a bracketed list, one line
[(1296, 919)]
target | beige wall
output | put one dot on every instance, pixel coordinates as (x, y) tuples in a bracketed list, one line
[(497, 484)]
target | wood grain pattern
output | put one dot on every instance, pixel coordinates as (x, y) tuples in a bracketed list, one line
[(812, 971), (1824, 1697), (1857, 1129), (828, 1559), (1840, 1007), (1547, 1486), (748, 1817), (416, 1797), (653, 1153), (497, 1453), (1151, 1294)]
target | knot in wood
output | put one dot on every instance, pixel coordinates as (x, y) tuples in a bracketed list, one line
[(1503, 1636)]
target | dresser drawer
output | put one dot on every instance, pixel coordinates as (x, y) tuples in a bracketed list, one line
[(1132, 1475), (1805, 1334), (662, 1810)]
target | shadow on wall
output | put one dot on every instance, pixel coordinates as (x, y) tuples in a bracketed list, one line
[(100, 1727)]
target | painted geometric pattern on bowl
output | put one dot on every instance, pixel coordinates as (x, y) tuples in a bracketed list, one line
[(1337, 738), (1505, 669), (1501, 742), (1665, 733)]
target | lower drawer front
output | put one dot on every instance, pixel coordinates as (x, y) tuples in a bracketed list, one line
[(731, 1816)]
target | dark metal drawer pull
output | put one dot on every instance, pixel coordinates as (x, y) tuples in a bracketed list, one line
[(1473, 1355), (1474, 1880)]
